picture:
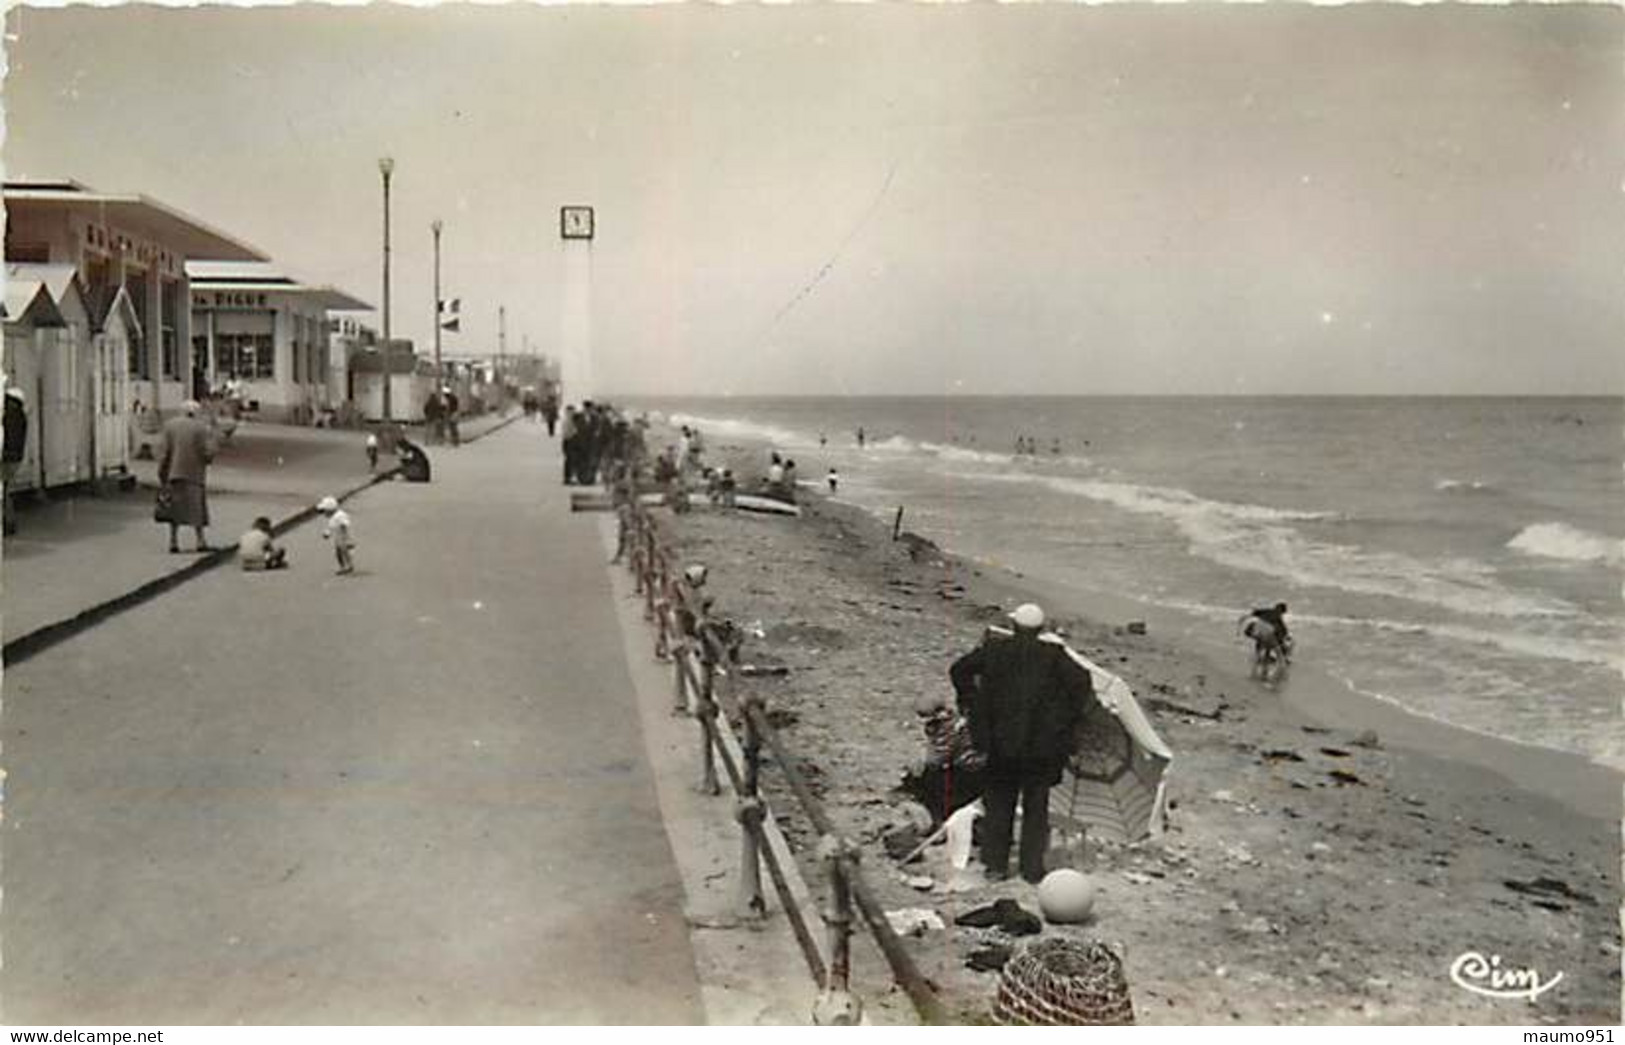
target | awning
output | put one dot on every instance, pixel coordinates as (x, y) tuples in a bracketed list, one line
[(142, 215)]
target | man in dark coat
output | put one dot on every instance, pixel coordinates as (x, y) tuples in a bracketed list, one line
[(16, 445), (1024, 699)]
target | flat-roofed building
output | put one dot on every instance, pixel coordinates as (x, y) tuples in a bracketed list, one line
[(136, 243), (267, 336)]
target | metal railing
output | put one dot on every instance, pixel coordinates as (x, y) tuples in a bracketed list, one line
[(702, 651)]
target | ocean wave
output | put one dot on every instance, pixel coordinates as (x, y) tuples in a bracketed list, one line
[(1464, 486), (1262, 539), (1556, 540), (1568, 649), (738, 428)]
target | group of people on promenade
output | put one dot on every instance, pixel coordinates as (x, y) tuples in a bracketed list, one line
[(596, 435), (187, 444), (545, 406)]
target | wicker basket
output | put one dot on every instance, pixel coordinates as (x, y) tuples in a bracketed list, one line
[(1060, 982)]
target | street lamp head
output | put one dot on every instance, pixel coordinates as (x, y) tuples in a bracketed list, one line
[(386, 166)]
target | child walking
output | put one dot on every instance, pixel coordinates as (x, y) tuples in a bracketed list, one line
[(338, 531)]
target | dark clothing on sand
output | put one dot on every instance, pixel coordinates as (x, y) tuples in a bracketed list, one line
[(1024, 699)]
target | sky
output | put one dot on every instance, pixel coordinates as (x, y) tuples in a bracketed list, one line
[(900, 198)]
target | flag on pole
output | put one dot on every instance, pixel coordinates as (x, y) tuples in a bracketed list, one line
[(453, 307), (454, 324)]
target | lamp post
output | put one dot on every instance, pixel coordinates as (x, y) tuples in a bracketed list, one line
[(386, 167), (439, 375)]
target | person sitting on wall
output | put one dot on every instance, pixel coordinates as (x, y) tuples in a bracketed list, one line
[(414, 462)]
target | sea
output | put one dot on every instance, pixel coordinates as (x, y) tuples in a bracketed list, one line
[(1460, 557)]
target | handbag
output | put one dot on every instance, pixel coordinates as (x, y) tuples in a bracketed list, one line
[(163, 506)]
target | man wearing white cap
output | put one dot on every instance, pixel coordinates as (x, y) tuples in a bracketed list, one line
[(1024, 700)]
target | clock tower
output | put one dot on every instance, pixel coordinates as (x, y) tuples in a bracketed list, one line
[(577, 227)]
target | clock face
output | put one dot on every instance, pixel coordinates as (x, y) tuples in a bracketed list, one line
[(575, 222)]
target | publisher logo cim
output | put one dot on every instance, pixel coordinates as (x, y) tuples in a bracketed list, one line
[(1489, 977)]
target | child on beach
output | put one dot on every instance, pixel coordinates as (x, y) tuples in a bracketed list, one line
[(255, 550), (834, 481), (338, 531), (372, 451)]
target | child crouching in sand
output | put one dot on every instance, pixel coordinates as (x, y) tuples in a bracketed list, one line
[(338, 531), (255, 550)]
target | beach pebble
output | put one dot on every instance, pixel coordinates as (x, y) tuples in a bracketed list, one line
[(1368, 738), (1222, 796), (1230, 907), (1136, 878), (1259, 925), (921, 882), (1135, 627), (1319, 847)]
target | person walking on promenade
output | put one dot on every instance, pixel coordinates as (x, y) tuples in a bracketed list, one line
[(452, 407), (16, 446), (1024, 699), (185, 449), (573, 438), (338, 530), (434, 410), (372, 451), (860, 437), (550, 412)]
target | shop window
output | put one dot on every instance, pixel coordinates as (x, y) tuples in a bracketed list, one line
[(244, 357)]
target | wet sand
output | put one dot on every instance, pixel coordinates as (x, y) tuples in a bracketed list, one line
[(1280, 893)]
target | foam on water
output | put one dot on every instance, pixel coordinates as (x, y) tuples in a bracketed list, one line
[(1556, 540), (742, 429), (1262, 539)]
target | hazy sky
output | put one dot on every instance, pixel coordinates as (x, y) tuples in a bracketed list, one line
[(904, 198)]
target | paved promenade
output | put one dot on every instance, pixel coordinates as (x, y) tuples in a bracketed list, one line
[(415, 795), (75, 551)]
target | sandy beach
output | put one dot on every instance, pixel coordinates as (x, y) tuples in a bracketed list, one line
[(1328, 857)]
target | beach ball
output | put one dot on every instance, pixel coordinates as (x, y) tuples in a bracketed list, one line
[(1065, 896)]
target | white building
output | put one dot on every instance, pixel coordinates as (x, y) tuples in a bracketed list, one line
[(269, 334), (115, 241)]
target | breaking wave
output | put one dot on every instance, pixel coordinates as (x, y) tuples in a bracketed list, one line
[(1267, 540), (1555, 540)]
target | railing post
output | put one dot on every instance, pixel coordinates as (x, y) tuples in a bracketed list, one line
[(837, 1006), (679, 665), (662, 606), (751, 813), (706, 711), (635, 560)]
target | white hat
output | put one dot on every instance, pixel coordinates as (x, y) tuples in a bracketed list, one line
[(1028, 615), (695, 574), (327, 504)]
